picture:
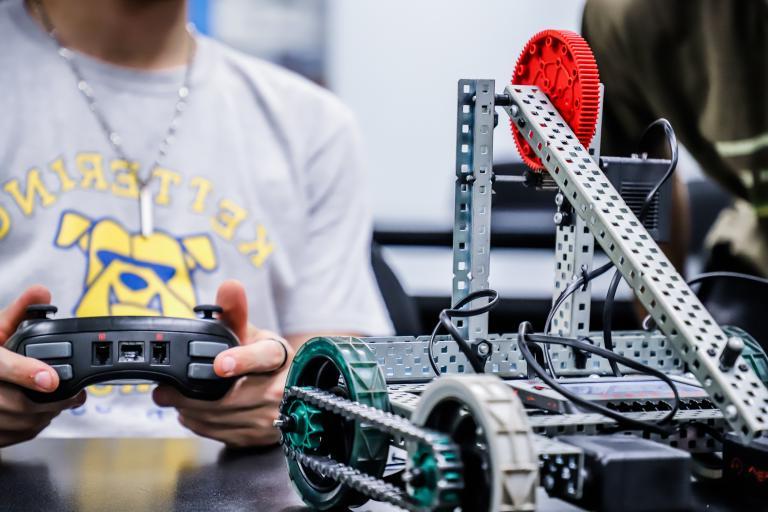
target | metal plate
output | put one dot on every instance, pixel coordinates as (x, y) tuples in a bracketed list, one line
[(404, 359), (674, 307)]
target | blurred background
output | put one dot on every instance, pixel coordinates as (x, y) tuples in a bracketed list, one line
[(396, 64)]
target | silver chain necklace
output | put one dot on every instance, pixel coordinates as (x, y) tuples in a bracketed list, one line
[(146, 216)]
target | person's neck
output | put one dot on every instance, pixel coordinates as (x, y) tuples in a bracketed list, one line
[(143, 34)]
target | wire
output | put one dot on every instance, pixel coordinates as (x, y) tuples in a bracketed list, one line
[(727, 275), (610, 297), (571, 289), (524, 337), (647, 321), (478, 364)]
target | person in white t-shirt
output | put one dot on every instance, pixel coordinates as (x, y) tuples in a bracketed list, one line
[(252, 193)]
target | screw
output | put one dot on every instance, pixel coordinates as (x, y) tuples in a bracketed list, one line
[(731, 352), (483, 349), (711, 352), (731, 412), (285, 424), (743, 367), (558, 218)]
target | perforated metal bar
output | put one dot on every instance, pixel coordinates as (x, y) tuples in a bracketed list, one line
[(677, 311), (472, 218), (688, 436), (574, 251), (405, 359)]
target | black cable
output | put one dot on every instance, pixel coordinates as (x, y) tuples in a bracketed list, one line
[(610, 297), (524, 337), (478, 365), (713, 275), (571, 289), (727, 275), (608, 319)]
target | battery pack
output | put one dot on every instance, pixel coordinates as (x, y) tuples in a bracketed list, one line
[(630, 474)]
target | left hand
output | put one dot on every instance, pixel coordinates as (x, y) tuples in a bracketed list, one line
[(244, 416)]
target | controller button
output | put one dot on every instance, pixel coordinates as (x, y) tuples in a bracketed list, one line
[(64, 371), (201, 371), (207, 310), (206, 348), (49, 350)]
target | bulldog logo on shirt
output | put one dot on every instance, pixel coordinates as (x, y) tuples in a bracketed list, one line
[(128, 274)]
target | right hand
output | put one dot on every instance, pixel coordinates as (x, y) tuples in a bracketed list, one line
[(20, 418)]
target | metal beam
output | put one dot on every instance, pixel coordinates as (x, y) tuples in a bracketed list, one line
[(472, 218), (735, 388)]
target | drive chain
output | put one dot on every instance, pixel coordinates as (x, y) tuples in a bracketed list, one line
[(445, 451)]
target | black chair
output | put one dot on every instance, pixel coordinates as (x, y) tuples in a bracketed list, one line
[(402, 307)]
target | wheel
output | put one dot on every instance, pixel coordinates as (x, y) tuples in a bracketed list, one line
[(485, 418), (346, 367)]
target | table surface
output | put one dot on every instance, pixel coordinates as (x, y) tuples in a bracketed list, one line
[(88, 475)]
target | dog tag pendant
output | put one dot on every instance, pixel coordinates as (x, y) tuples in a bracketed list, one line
[(145, 211)]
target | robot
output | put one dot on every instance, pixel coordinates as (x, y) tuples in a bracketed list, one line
[(468, 421)]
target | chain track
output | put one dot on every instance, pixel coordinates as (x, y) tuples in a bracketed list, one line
[(445, 450), (372, 487)]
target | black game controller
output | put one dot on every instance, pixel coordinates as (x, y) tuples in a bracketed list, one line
[(84, 351)]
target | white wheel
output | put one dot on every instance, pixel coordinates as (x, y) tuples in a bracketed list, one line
[(486, 419)]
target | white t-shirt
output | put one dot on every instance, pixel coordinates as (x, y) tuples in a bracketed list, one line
[(263, 184)]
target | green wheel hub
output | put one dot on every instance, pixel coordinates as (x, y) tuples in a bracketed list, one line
[(346, 367), (306, 433), (424, 477)]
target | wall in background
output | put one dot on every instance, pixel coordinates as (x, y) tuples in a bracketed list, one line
[(396, 63)]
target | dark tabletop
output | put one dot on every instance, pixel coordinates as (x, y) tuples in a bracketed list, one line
[(89, 475)]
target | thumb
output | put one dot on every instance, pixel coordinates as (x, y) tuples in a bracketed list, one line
[(231, 297), (11, 316), (27, 372)]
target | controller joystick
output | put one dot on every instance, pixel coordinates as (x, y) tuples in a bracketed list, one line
[(207, 310), (40, 311)]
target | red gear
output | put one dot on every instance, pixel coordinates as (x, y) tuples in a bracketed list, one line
[(561, 64)]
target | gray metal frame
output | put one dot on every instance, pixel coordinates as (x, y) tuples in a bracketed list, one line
[(574, 251), (472, 220), (677, 311), (405, 359)]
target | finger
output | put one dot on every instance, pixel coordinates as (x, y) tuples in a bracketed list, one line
[(27, 372), (244, 418), (263, 356), (246, 393), (8, 438), (13, 422), (232, 299), (11, 316), (13, 400), (234, 437)]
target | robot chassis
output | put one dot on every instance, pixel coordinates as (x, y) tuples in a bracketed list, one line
[(469, 442)]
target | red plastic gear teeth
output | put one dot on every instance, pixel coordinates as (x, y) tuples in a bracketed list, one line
[(561, 64)]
